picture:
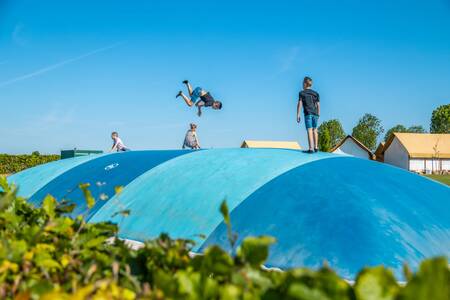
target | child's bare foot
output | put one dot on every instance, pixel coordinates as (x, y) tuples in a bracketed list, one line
[(185, 81), (179, 94)]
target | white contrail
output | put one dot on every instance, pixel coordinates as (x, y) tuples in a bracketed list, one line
[(56, 66)]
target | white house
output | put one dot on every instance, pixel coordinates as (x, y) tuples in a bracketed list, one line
[(351, 146), (418, 152)]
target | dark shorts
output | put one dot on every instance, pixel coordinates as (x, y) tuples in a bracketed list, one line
[(311, 121)]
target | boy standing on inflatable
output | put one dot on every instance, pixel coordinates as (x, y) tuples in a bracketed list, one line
[(199, 97), (310, 101)]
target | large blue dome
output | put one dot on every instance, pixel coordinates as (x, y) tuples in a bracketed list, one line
[(320, 207)]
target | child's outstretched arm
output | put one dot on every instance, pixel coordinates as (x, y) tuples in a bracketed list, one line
[(299, 109)]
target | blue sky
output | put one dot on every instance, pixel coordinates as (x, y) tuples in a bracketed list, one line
[(73, 71)]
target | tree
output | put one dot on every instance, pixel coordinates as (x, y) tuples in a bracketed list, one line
[(334, 130), (401, 128), (416, 129), (440, 119), (325, 140), (368, 130), (396, 128)]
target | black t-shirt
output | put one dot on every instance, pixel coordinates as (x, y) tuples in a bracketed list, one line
[(309, 100), (207, 99)]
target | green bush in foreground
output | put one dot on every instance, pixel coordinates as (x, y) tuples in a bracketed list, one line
[(45, 255), (15, 163)]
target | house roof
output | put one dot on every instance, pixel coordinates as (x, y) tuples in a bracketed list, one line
[(423, 145), (361, 145), (271, 144), (380, 149)]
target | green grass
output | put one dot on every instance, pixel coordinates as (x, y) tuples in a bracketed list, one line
[(445, 179)]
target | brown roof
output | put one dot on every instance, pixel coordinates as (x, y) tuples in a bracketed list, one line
[(380, 149), (379, 152), (423, 145), (361, 145), (271, 144)]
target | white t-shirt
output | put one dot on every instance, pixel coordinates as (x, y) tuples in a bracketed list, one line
[(119, 144)]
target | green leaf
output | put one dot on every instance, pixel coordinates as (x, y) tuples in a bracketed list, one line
[(41, 287), (230, 292), (232, 237), (332, 285), (255, 250), (407, 273), (4, 184), (90, 200), (18, 249), (64, 207), (118, 190), (225, 213), (95, 242), (123, 213), (61, 225), (301, 291), (45, 261), (186, 282), (376, 284), (432, 281), (217, 261), (49, 206)]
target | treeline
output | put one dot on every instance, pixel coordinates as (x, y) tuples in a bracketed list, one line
[(47, 255), (369, 129), (10, 164)]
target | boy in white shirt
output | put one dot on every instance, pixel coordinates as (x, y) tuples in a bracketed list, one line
[(118, 145)]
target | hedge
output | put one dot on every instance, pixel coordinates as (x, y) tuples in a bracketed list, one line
[(10, 164)]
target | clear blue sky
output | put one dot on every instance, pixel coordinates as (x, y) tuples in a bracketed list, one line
[(73, 71)]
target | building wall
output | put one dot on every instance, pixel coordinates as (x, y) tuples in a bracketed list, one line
[(349, 147), (429, 165), (446, 164), (417, 164), (396, 155)]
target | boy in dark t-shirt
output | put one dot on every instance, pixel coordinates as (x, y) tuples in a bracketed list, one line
[(310, 101), (199, 97)]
